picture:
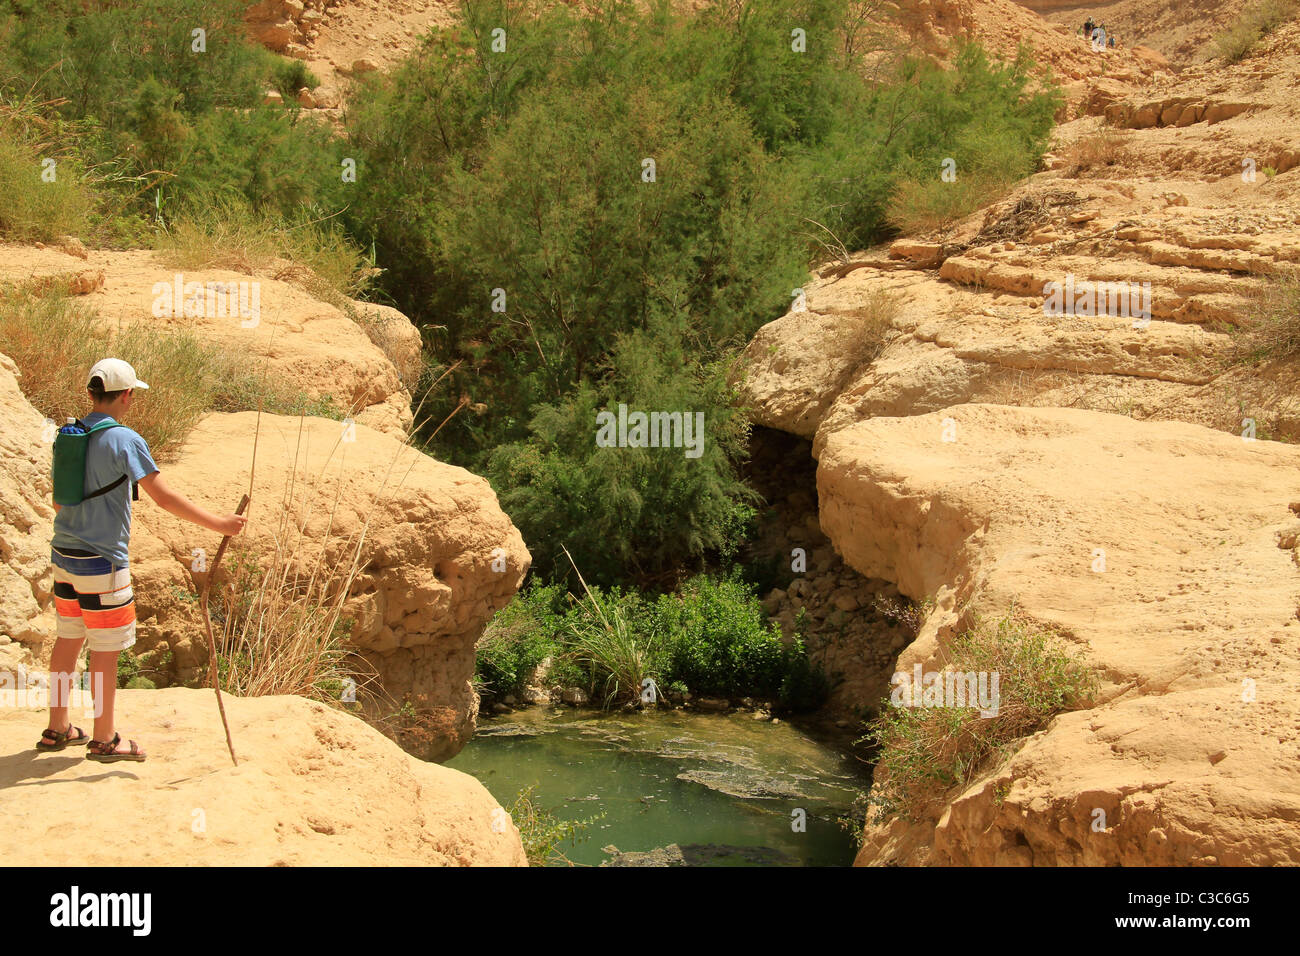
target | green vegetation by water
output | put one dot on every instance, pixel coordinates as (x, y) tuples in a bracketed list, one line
[(711, 639), (726, 790)]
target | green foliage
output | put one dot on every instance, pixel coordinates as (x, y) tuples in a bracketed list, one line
[(123, 86), (543, 833), (711, 638), (883, 163), (138, 672), (288, 76), (925, 751), (1255, 23), (721, 643), (628, 512), (35, 209), (528, 242), (604, 640), (519, 638)]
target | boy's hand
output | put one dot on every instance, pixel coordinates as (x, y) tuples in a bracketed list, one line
[(231, 524)]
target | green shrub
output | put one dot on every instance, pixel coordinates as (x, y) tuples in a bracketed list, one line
[(604, 640), (926, 751), (629, 513), (1255, 23), (528, 244), (289, 75), (543, 833), (35, 209), (721, 643), (519, 638), (123, 86)]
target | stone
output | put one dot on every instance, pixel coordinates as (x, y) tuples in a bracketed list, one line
[(72, 246), (314, 787), (574, 696), (715, 704), (327, 97), (979, 524)]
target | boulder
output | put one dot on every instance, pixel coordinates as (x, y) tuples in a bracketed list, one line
[(314, 787), (307, 345), (1140, 545), (26, 525), (439, 556)]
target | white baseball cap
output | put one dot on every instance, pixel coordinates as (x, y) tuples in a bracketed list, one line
[(116, 375)]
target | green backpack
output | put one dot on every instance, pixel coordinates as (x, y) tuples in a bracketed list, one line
[(70, 446)]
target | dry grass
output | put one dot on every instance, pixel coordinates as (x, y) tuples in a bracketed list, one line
[(54, 339), (383, 330), (1097, 151), (860, 335), (934, 207), (284, 630), (228, 234), (1272, 331)]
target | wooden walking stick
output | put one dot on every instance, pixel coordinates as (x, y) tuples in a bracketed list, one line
[(212, 641)]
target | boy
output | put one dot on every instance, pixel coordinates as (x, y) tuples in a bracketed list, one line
[(92, 577)]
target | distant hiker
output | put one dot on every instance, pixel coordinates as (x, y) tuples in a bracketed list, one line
[(1110, 42), (97, 465), (1088, 26)]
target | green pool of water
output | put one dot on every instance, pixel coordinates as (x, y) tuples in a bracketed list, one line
[(689, 789)]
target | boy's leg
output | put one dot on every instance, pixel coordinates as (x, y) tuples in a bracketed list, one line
[(67, 648), (63, 665), (103, 674), (109, 614)]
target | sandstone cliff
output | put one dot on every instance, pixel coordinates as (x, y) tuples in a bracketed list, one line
[(1192, 620), (314, 787), (26, 523), (995, 448), (439, 555)]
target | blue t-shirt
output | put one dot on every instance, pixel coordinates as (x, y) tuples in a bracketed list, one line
[(103, 524)]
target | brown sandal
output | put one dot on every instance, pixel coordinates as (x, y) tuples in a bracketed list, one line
[(53, 740), (106, 751)]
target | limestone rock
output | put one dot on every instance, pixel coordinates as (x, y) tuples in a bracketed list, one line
[(1018, 509), (439, 555), (314, 787), (309, 346), (26, 525)]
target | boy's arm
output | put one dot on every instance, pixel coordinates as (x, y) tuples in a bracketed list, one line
[(182, 507)]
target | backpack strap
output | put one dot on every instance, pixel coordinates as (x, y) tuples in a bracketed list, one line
[(135, 488), (107, 488)]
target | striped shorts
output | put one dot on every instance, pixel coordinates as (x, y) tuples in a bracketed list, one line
[(93, 600)]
